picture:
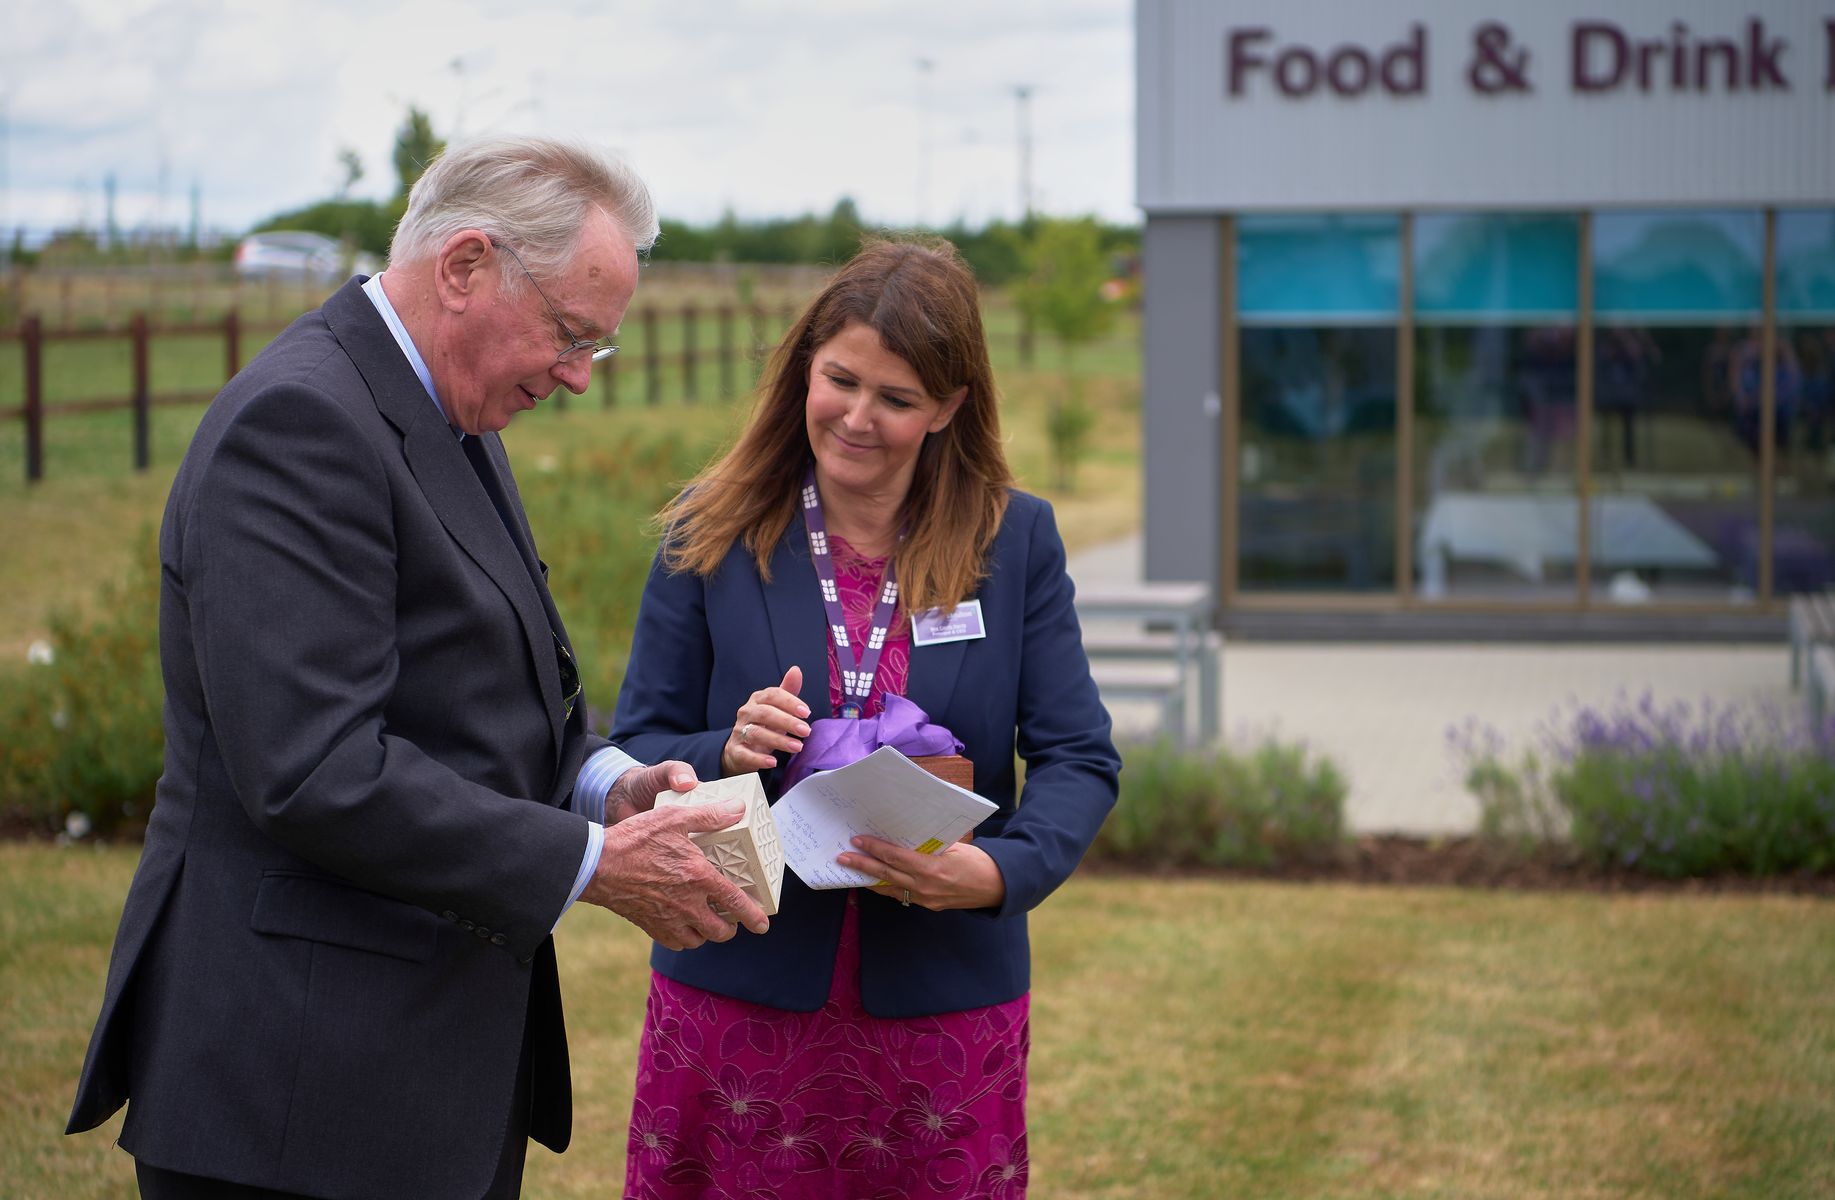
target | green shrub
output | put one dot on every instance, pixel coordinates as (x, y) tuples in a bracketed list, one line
[(83, 730), (1272, 805)]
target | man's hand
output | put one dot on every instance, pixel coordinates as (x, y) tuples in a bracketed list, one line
[(637, 789), (653, 876)]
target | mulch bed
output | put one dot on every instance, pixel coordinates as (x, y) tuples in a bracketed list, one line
[(1377, 859), (1393, 859)]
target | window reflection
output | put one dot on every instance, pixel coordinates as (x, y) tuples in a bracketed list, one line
[(1317, 459), (1495, 514), (1674, 514), (1803, 513), (1319, 298)]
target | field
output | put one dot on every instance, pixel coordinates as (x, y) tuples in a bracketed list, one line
[(77, 527)]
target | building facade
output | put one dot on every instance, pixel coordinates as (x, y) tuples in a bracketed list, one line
[(1520, 317)]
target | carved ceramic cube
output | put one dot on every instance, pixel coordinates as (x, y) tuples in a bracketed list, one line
[(747, 853)]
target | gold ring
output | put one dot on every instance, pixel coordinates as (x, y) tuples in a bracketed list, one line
[(745, 734), (907, 900)]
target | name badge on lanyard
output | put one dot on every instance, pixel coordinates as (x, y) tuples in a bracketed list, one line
[(857, 669), (935, 626)]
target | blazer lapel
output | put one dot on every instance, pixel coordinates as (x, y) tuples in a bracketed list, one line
[(793, 606), (931, 683), (446, 478)]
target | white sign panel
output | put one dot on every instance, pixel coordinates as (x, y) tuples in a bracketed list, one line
[(1524, 104)]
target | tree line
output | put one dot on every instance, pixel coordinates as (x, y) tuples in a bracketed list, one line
[(998, 252)]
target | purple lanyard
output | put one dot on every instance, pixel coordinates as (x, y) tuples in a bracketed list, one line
[(856, 684)]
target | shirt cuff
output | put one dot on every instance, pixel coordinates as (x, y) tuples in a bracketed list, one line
[(595, 781), (595, 842)]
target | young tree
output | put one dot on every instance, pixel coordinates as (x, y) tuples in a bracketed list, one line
[(350, 167), (1062, 294), (415, 149)]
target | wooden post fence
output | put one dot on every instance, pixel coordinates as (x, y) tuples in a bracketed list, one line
[(689, 315), (732, 323), (653, 360), (143, 392), (34, 399), (608, 376), (232, 342)]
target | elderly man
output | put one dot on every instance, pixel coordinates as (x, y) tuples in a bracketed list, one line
[(334, 974)]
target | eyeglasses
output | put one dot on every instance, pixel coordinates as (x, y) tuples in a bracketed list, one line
[(576, 345)]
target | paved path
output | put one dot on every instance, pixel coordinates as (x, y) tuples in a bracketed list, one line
[(1381, 710)]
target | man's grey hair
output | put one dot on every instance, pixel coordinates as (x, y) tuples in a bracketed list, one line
[(533, 194)]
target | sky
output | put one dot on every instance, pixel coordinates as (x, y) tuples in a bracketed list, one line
[(762, 107)]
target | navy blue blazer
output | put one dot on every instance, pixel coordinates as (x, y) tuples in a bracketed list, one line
[(704, 645)]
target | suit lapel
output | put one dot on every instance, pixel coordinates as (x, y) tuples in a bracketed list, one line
[(446, 478), (793, 605)]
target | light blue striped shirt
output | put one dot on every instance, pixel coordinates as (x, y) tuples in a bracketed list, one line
[(606, 767)]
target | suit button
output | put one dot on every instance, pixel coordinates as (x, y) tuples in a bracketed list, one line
[(482, 932), (497, 939), (466, 925), (449, 915)]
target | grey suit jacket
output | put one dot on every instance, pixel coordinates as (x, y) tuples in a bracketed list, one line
[(340, 922)]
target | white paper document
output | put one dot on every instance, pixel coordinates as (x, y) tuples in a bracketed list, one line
[(884, 795)]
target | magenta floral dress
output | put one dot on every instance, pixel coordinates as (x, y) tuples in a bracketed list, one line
[(738, 1100)]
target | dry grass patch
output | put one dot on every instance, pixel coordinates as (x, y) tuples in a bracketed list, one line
[(1197, 1038)]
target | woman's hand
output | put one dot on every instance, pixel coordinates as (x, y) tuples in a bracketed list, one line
[(772, 720), (961, 876)]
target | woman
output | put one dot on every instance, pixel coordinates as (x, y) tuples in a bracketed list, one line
[(874, 1041)]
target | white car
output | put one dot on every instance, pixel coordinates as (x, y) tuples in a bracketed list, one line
[(300, 255)]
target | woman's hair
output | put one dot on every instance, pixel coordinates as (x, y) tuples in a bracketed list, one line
[(534, 194), (920, 298)]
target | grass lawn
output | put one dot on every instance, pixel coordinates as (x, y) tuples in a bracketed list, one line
[(1205, 1039)]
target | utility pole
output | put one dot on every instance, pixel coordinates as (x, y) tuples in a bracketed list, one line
[(1022, 106), (1022, 118), (924, 67), (6, 197)]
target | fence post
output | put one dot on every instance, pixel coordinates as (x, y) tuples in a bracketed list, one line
[(726, 351), (232, 341), (689, 315), (34, 334), (143, 390), (608, 378), (653, 359), (756, 356)]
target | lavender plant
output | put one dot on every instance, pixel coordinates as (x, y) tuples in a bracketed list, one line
[(1671, 790)]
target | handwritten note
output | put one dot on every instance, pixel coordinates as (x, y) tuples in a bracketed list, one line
[(884, 795)]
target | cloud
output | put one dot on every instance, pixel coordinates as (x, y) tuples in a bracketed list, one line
[(766, 107)]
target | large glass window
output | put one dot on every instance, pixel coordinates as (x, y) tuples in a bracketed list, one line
[(1803, 514), (1495, 508), (1678, 300), (1318, 300)]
